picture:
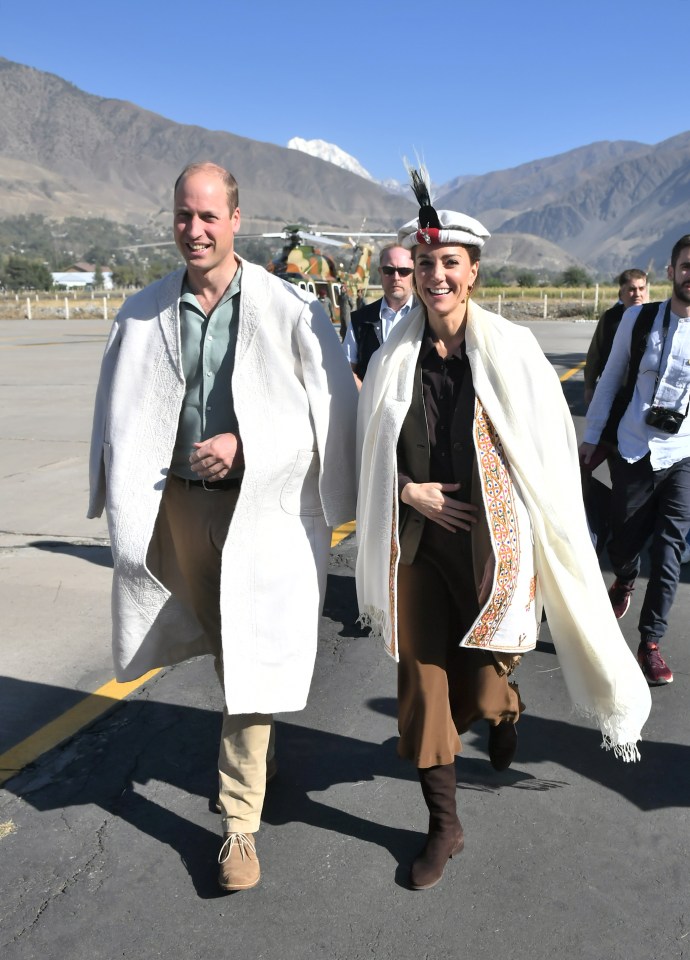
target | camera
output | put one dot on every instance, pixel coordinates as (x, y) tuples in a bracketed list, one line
[(668, 421)]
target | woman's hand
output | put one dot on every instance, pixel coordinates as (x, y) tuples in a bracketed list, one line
[(213, 459), (431, 501)]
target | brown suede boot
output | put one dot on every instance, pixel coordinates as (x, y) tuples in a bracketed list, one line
[(503, 740), (445, 837)]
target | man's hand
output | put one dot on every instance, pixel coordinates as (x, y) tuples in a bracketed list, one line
[(358, 382), (586, 450), (430, 500), (213, 459)]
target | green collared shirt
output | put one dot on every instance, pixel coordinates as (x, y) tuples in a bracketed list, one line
[(208, 359)]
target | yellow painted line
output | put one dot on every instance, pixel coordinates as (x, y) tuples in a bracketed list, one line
[(65, 726), (571, 373), (96, 704), (93, 706), (342, 532)]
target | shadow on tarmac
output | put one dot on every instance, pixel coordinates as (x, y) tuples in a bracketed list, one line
[(574, 394), (94, 553), (120, 763), (340, 604)]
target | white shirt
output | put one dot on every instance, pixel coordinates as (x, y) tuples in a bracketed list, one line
[(388, 317), (635, 437)]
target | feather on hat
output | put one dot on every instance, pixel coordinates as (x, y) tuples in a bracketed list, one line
[(438, 226)]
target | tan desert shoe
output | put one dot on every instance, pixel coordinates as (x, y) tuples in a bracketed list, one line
[(239, 863)]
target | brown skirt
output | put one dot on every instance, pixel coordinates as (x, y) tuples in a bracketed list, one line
[(442, 688)]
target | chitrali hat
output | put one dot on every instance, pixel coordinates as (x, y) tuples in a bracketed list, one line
[(438, 226)]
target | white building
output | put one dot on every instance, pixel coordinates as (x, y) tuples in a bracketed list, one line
[(76, 280)]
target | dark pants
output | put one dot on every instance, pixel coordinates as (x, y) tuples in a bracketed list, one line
[(443, 688), (650, 503)]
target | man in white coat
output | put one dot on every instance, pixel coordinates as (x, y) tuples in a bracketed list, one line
[(223, 453)]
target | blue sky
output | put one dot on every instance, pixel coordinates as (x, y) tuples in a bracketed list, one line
[(471, 87)]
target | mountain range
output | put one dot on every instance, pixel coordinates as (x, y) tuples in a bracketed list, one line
[(609, 205), (64, 152)]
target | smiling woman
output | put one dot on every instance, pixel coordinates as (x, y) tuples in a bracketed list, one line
[(444, 278), (469, 518)]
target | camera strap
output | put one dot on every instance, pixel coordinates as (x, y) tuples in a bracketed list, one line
[(638, 343), (664, 331), (667, 320)]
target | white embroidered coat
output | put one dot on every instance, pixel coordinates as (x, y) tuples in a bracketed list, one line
[(295, 401), (528, 442)]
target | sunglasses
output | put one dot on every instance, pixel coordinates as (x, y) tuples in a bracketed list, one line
[(402, 271)]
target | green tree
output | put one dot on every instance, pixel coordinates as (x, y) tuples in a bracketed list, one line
[(575, 277), (129, 275), (156, 269), (98, 253), (526, 278), (20, 273), (98, 278)]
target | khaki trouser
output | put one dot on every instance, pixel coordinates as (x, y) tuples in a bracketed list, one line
[(185, 555)]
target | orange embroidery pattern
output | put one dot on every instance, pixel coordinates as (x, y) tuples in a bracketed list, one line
[(502, 520), (532, 592)]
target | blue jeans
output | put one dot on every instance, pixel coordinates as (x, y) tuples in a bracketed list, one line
[(650, 503)]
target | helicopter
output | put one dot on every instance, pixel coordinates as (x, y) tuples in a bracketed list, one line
[(302, 262)]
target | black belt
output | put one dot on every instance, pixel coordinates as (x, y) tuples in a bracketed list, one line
[(228, 483)]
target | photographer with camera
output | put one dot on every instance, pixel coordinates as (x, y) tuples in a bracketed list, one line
[(650, 474)]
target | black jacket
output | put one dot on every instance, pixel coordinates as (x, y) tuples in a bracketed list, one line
[(364, 328), (602, 341)]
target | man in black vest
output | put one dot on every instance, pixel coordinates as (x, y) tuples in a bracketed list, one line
[(371, 325), (632, 290)]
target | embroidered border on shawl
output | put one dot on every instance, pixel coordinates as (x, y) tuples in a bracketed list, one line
[(503, 524), (392, 581)]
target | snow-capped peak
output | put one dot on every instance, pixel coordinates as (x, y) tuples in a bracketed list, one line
[(334, 154), (331, 153)]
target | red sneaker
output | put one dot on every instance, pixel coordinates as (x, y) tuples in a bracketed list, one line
[(620, 595), (653, 665)]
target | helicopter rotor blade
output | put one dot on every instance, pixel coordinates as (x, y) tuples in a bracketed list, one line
[(322, 240)]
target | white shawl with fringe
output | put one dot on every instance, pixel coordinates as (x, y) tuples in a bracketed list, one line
[(521, 395)]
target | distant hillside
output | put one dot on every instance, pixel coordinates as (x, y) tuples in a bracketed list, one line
[(608, 205), (64, 153)]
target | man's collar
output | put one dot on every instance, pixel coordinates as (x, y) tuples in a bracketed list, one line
[(187, 287), (232, 288), (407, 306)]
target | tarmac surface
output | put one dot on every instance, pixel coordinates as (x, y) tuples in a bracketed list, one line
[(108, 843)]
